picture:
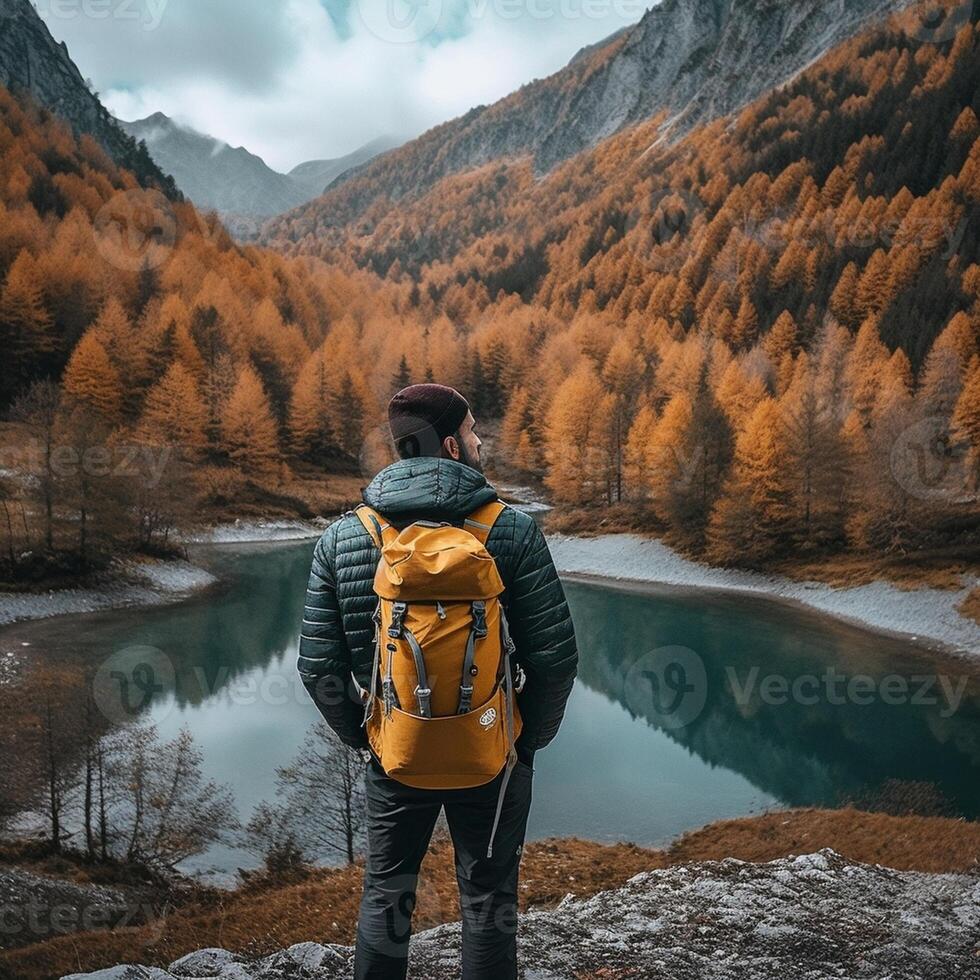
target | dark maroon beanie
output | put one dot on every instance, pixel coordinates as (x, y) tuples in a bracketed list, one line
[(424, 415)]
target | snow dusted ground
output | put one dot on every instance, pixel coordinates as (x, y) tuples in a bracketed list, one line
[(925, 613), (149, 583), (244, 532), (806, 918)]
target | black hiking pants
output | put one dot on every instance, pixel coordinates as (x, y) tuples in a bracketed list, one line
[(400, 824)]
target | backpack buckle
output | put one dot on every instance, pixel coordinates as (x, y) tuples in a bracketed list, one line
[(424, 695), (479, 610), (398, 611), (465, 698), (388, 695), (520, 679)]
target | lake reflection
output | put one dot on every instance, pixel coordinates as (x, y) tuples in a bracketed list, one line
[(669, 727)]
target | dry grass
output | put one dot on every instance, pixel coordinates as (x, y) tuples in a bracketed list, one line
[(324, 906), (908, 843), (937, 569)]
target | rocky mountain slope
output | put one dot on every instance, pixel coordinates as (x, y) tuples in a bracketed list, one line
[(694, 60), (31, 60), (231, 180), (318, 175), (812, 917)]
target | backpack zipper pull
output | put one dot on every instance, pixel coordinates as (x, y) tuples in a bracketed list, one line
[(440, 610)]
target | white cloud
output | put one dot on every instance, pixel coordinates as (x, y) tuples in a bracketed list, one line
[(281, 80)]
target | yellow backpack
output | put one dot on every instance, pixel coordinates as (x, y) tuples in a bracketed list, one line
[(441, 712)]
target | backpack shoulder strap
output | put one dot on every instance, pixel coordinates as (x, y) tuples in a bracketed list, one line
[(381, 531), (480, 523)]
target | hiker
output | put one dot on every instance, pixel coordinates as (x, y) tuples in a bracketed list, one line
[(436, 637)]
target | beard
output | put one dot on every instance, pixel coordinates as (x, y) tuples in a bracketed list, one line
[(472, 460)]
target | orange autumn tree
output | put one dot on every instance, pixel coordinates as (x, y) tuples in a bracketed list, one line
[(249, 436), (966, 425), (91, 380), (310, 427), (752, 519), (25, 325), (573, 448), (174, 414)]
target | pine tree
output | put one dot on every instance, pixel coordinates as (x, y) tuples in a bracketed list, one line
[(636, 453), (174, 414), (25, 325), (249, 435), (843, 300), (966, 422), (92, 381), (816, 455), (348, 414), (865, 365), (403, 376), (782, 337), (752, 520), (873, 288), (746, 324), (576, 468), (310, 424)]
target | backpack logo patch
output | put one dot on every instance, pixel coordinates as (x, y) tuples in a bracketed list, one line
[(488, 718)]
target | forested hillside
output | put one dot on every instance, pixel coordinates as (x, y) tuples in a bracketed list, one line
[(761, 339), (766, 332), (150, 362), (690, 60)]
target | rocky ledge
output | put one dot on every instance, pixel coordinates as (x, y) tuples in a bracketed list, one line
[(808, 917)]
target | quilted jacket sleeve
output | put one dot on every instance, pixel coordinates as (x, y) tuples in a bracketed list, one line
[(542, 629), (324, 659)]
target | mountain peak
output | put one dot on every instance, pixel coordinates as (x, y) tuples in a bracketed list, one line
[(691, 60), (31, 60)]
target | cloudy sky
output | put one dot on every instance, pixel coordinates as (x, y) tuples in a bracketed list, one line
[(294, 80)]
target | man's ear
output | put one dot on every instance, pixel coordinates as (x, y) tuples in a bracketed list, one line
[(450, 446)]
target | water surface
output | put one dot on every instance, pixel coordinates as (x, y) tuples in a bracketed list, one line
[(670, 726)]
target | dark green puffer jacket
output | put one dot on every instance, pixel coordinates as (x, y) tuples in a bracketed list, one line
[(337, 634)]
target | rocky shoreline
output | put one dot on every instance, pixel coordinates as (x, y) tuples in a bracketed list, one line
[(811, 917), (922, 614), (149, 582)]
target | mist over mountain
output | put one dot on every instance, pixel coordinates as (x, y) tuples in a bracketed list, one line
[(691, 60), (231, 180)]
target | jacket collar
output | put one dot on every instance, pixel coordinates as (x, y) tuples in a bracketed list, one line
[(428, 488)]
